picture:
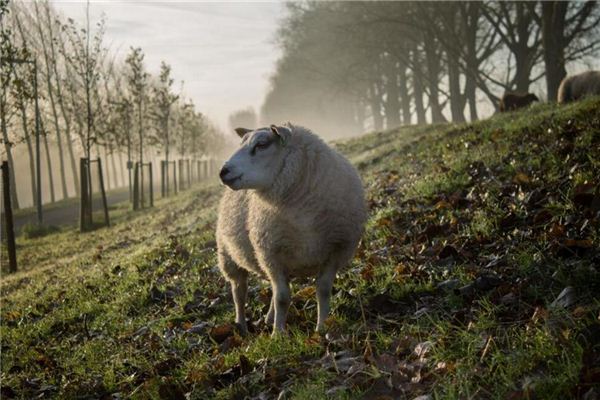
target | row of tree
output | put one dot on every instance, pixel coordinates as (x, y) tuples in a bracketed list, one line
[(90, 102), (376, 64)]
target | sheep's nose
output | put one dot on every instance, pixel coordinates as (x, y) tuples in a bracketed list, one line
[(224, 172)]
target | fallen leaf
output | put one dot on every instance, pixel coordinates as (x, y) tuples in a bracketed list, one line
[(442, 205), (367, 273), (221, 332), (581, 243), (231, 342), (521, 178)]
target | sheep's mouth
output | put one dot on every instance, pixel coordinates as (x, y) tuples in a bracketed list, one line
[(230, 181)]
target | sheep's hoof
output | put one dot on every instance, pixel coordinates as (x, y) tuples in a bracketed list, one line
[(278, 333), (242, 329)]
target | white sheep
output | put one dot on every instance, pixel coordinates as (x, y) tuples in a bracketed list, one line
[(575, 87), (297, 209)]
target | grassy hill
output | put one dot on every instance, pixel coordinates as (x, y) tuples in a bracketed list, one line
[(478, 277)]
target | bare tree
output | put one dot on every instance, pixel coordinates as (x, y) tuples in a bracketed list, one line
[(7, 109), (570, 30), (517, 25), (23, 91), (43, 36), (137, 80), (85, 56), (163, 101)]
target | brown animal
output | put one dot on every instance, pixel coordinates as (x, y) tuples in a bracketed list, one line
[(575, 87), (513, 101)]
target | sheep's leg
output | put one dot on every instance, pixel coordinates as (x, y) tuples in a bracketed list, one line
[(239, 289), (281, 301), (324, 285), (270, 317), (238, 278)]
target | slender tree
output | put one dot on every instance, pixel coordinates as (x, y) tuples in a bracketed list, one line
[(137, 80), (7, 108), (24, 95), (44, 35), (163, 100)]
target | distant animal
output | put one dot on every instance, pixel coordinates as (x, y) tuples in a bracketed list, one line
[(575, 87), (294, 207), (513, 101)]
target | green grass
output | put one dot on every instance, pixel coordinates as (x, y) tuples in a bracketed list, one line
[(474, 230), (71, 201), (32, 231)]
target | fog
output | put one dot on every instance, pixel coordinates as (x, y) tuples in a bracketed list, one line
[(339, 68), (224, 51)]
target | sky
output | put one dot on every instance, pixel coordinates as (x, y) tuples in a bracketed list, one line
[(224, 51)]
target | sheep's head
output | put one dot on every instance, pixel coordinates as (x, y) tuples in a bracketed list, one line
[(532, 97), (258, 160)]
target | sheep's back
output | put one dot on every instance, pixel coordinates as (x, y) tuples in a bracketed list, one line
[(575, 87)]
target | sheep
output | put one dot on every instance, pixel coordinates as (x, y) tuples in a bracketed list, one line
[(296, 208), (575, 87), (513, 101)]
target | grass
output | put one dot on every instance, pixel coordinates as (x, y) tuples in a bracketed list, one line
[(474, 231), (32, 231), (71, 201)]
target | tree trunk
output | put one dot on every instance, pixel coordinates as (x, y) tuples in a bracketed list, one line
[(66, 117), (359, 114), (48, 62), (14, 199), (471, 86), (141, 136), (29, 148), (113, 166), (522, 73), (553, 23), (129, 162), (456, 96), (375, 105), (49, 166), (108, 180), (392, 103), (471, 93), (432, 57), (167, 157), (23, 109), (470, 22), (69, 142), (121, 164), (404, 97), (418, 86)]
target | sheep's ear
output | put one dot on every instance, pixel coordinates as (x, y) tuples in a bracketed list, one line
[(242, 131), (274, 130), (280, 135)]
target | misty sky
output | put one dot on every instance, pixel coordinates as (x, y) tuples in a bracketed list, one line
[(223, 50)]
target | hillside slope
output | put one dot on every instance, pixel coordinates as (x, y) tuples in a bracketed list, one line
[(478, 277)]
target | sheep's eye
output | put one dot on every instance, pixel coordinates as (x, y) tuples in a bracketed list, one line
[(260, 146)]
